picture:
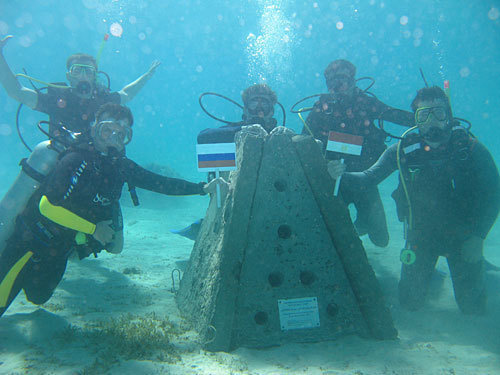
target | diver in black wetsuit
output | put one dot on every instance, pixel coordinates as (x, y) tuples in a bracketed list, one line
[(72, 106), (259, 101), (348, 109), (73, 208), (448, 196), (258, 108), (71, 111)]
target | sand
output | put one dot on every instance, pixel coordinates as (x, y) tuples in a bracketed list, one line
[(136, 287)]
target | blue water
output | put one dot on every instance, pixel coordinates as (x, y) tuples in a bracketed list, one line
[(224, 46)]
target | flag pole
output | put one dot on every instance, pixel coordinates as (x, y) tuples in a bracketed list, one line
[(217, 192), (337, 181)]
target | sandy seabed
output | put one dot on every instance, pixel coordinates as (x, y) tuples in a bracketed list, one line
[(111, 314)]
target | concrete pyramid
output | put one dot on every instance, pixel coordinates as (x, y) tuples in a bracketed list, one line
[(280, 261)]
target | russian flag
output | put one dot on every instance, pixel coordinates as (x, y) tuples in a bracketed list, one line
[(213, 156), (344, 143)]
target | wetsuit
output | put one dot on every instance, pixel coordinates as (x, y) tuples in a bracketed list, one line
[(454, 194), (66, 108), (85, 186), (356, 115), (227, 133)]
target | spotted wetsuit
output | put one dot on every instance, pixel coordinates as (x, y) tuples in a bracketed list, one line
[(356, 116)]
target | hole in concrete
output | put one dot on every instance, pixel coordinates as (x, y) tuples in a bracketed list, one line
[(284, 231), (279, 250), (275, 279), (280, 185), (307, 277), (332, 309), (260, 318)]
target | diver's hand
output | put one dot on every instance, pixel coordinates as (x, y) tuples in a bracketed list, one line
[(282, 130), (254, 129), (472, 249), (211, 187), (4, 41), (155, 64), (104, 232), (336, 168)]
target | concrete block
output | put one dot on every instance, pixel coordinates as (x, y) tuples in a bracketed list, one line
[(280, 261)]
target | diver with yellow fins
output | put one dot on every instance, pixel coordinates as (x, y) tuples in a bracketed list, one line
[(72, 208), (448, 197), (71, 111)]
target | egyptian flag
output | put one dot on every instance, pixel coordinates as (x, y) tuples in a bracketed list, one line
[(344, 143), (216, 156)]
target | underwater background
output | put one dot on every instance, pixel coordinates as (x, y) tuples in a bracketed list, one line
[(225, 46)]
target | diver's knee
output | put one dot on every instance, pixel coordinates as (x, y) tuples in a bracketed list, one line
[(116, 246), (473, 305), (380, 239), (38, 298)]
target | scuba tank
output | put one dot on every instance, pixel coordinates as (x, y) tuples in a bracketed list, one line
[(33, 170)]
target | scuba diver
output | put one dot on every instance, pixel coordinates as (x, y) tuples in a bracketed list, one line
[(71, 111), (71, 106), (349, 109), (258, 109), (259, 101), (448, 197), (72, 209)]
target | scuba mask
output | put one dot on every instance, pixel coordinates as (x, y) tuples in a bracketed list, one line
[(339, 83), (259, 104), (84, 75), (114, 133), (422, 114), (433, 133), (79, 70)]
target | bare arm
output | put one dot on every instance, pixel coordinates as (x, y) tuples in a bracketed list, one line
[(132, 89), (9, 81)]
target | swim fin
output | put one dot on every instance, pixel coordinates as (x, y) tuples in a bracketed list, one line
[(490, 266), (191, 231)]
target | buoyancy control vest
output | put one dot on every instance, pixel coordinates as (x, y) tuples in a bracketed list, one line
[(435, 180)]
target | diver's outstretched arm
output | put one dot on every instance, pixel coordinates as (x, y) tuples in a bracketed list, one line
[(9, 81), (132, 89)]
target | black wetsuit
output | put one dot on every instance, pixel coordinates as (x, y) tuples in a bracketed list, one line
[(227, 133), (224, 134), (89, 185), (66, 108), (454, 194), (356, 115)]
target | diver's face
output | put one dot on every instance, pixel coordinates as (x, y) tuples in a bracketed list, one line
[(432, 119), (340, 82), (110, 133), (82, 76), (260, 110), (259, 107)]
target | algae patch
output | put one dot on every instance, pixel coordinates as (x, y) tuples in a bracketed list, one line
[(128, 337)]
